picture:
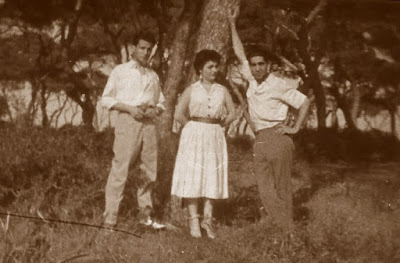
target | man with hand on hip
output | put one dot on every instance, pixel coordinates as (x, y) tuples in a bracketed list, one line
[(269, 97)]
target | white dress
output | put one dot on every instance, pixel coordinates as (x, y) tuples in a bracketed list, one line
[(201, 167)]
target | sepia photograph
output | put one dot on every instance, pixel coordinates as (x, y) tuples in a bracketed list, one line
[(204, 131)]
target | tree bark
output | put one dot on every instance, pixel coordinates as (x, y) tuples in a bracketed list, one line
[(80, 93), (349, 111), (313, 76), (177, 61), (214, 32), (355, 105), (43, 105), (313, 64), (392, 112), (173, 80)]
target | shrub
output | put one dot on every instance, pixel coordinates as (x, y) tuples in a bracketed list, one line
[(347, 145), (345, 224)]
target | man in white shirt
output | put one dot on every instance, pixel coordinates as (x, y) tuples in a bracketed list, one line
[(269, 97), (134, 91)]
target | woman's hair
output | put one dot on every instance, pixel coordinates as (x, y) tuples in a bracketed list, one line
[(204, 56)]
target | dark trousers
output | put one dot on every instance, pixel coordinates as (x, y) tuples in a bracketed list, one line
[(273, 160)]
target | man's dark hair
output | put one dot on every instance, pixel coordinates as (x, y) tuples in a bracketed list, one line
[(144, 35), (204, 56), (259, 52)]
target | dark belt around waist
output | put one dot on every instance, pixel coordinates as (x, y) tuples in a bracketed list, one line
[(206, 120)]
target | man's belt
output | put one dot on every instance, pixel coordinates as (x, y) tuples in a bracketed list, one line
[(206, 120)]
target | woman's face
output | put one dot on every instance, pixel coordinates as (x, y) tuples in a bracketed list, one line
[(209, 71)]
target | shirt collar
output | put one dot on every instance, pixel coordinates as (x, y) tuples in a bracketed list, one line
[(269, 77), (133, 64)]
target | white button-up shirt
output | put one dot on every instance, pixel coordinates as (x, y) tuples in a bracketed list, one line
[(269, 101), (127, 84), (207, 104)]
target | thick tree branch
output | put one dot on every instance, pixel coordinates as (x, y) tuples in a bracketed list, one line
[(313, 14), (73, 24)]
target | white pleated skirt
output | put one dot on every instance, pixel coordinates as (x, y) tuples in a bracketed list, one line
[(201, 166)]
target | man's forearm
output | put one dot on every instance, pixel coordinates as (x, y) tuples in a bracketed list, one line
[(237, 43), (121, 107), (302, 114)]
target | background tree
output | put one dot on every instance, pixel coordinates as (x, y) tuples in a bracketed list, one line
[(179, 52)]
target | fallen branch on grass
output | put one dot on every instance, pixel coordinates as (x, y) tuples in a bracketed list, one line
[(47, 220)]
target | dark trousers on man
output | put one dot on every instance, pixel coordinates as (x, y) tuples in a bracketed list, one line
[(273, 160)]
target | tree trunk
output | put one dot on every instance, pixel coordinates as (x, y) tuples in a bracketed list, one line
[(214, 32), (312, 65), (347, 113), (350, 107), (313, 79), (80, 93), (31, 109), (173, 80), (355, 104), (320, 100), (343, 105), (88, 111), (175, 70), (43, 105), (392, 112)]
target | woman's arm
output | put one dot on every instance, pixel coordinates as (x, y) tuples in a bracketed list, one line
[(230, 107), (181, 111)]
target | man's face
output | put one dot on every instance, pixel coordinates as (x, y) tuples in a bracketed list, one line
[(259, 68), (141, 52)]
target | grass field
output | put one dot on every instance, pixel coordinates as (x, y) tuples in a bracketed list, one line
[(346, 210)]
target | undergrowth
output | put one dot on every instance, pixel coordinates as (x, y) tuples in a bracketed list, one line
[(344, 211)]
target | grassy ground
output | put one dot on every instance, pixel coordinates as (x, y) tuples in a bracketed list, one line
[(344, 211)]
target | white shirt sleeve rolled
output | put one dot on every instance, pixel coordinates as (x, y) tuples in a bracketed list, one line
[(294, 98), (108, 99)]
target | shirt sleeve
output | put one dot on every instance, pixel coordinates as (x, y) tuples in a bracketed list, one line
[(294, 98), (161, 99), (108, 99)]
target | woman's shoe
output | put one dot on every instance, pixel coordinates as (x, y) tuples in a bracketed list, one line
[(195, 227), (206, 224)]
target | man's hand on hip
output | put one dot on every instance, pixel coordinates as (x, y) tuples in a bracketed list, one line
[(283, 129)]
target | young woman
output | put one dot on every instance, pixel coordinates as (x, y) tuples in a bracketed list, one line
[(201, 168)]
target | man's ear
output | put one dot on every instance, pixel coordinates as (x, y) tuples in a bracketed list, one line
[(126, 52), (269, 66), (132, 51)]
